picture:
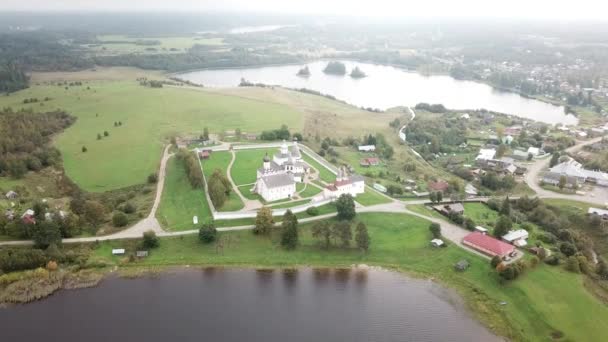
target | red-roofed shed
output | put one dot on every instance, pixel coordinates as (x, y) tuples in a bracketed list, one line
[(488, 245)]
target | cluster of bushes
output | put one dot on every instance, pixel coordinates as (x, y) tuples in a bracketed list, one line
[(193, 168), (433, 108), (494, 182), (219, 188), (24, 140), (276, 134)]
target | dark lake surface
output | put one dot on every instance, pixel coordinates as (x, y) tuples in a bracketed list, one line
[(386, 87), (248, 305)]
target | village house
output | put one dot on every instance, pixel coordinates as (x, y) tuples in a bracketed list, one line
[(367, 162), (447, 209), (28, 217), (516, 237), (575, 174), (599, 212), (367, 148), (277, 178), (439, 185), (488, 245)]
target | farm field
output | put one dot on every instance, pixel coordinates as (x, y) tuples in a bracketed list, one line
[(180, 202), (124, 158), (542, 295), (121, 44)]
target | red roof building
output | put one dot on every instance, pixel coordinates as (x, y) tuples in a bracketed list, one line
[(439, 185), (369, 161), (204, 154), (487, 244)]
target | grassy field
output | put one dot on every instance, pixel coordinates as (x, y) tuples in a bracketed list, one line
[(149, 116), (246, 164), (310, 191), (481, 214), (120, 44), (353, 158), (371, 197), (324, 174), (541, 302), (290, 204), (180, 202)]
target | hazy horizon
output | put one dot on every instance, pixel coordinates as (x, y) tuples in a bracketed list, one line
[(518, 9)]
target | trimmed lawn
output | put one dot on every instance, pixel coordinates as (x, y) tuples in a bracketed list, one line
[(324, 174), (150, 116), (542, 301), (481, 214), (245, 190), (310, 191), (180, 202), (371, 197), (290, 204), (233, 203), (424, 210), (244, 170)]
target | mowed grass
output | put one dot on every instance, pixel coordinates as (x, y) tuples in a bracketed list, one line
[(310, 191), (149, 116), (180, 202), (324, 174), (481, 214), (542, 301), (220, 161), (371, 197), (246, 164)]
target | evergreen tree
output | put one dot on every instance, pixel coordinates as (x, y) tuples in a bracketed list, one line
[(207, 233), (289, 232), (362, 237), (554, 159), (505, 209), (503, 225)]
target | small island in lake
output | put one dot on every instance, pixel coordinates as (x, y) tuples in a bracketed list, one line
[(357, 73), (335, 68), (304, 72)]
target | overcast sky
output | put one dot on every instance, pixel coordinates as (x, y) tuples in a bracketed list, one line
[(542, 9)]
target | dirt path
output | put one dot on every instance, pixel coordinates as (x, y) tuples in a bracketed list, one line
[(249, 204)]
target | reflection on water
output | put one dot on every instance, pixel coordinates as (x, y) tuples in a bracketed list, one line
[(249, 305), (387, 87)]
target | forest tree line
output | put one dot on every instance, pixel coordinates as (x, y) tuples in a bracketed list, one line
[(24, 140)]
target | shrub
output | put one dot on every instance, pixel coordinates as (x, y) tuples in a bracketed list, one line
[(21, 259), (312, 211), (207, 233), (120, 219), (552, 260), (150, 240), (129, 208), (435, 229), (567, 248), (495, 261), (547, 237), (152, 178), (51, 265), (572, 264)]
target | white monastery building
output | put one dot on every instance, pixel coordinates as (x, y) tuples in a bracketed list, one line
[(276, 179), (345, 184)]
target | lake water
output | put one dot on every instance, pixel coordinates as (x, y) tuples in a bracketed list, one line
[(386, 87), (248, 305)]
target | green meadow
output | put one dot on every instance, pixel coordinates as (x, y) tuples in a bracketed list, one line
[(180, 202), (545, 300), (149, 118)]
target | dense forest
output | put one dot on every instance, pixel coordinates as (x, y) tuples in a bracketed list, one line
[(199, 57), (42, 51), (24, 138), (12, 78)]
